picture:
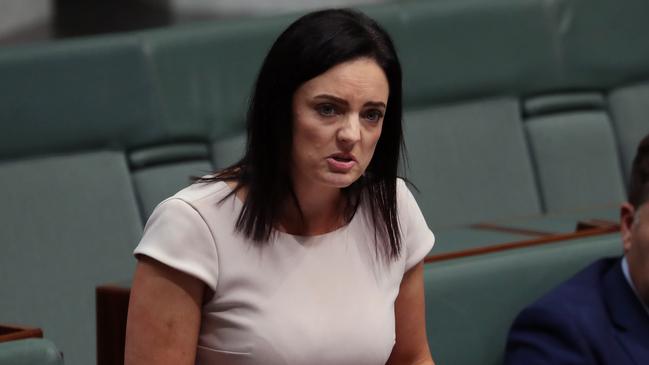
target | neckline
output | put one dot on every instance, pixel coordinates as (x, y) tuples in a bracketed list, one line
[(239, 205)]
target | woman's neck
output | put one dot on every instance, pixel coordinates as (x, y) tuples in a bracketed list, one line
[(322, 211)]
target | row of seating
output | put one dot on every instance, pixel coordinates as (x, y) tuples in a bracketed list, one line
[(562, 164), (521, 114)]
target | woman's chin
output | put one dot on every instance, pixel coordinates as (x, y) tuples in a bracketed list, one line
[(340, 180)]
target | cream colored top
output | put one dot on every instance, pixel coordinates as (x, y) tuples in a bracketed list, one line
[(326, 299)]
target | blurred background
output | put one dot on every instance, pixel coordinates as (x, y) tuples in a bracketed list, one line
[(41, 20)]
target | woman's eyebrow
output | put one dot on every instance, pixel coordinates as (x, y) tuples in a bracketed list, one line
[(344, 102), (332, 98), (376, 104)]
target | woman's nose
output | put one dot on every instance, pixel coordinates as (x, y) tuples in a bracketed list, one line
[(350, 131)]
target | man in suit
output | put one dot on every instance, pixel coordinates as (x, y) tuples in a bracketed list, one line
[(601, 315)]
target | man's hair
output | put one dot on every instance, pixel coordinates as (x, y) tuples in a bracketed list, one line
[(639, 181)]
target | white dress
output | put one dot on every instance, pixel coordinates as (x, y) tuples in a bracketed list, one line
[(325, 299)]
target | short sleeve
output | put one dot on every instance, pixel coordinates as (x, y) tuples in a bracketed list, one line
[(417, 238), (177, 236)]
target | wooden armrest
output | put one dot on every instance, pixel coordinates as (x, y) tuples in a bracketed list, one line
[(12, 332), (596, 224), (112, 311)]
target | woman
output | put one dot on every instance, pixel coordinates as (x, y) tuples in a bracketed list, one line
[(309, 250)]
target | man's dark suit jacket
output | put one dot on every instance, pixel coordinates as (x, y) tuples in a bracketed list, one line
[(593, 318)]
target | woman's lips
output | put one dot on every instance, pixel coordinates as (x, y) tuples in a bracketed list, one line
[(337, 165)]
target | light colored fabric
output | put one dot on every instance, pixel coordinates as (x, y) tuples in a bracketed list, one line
[(325, 299), (627, 276)]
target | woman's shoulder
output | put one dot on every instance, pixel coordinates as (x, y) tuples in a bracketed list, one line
[(204, 192), (209, 201), (404, 195), (401, 184)]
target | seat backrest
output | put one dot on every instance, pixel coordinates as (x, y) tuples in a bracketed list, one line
[(471, 302), (68, 223), (470, 162), (205, 73), (460, 50), (160, 171), (76, 95), (574, 150)]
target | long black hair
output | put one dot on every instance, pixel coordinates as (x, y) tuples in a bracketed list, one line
[(309, 47)]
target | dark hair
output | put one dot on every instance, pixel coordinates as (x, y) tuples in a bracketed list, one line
[(639, 182), (309, 47)]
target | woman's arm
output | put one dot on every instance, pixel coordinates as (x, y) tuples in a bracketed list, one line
[(163, 316), (411, 347)]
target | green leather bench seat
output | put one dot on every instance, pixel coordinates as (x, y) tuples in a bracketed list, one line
[(472, 301), (68, 223), (32, 351)]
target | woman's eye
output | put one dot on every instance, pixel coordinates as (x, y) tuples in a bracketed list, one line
[(373, 115), (326, 110)]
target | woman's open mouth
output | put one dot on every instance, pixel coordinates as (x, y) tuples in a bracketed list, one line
[(341, 162)]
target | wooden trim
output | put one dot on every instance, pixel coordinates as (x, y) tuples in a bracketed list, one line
[(111, 311), (12, 332), (523, 231), (604, 222), (596, 223), (521, 244)]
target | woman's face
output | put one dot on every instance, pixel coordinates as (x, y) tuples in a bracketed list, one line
[(337, 121)]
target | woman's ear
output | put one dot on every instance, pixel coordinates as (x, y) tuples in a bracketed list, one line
[(627, 218)]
